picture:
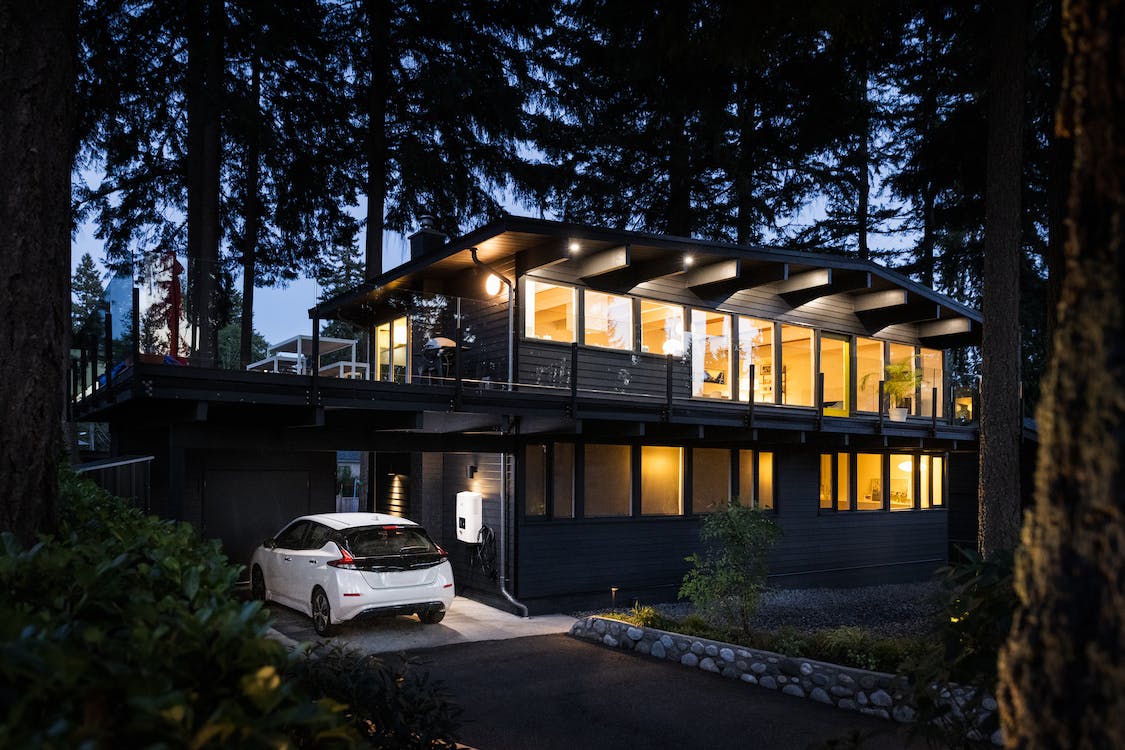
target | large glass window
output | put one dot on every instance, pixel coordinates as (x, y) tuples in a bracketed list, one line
[(765, 481), (827, 497), (747, 462), (901, 474), (868, 373), (392, 351), (931, 472), (608, 320), (755, 347), (834, 486), (843, 496), (796, 365), (662, 328), (835, 365), (535, 480), (901, 378), (710, 479), (662, 480), (932, 377), (869, 481), (609, 478), (562, 497), (710, 354), (551, 312)]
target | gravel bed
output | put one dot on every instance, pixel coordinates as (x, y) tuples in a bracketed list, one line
[(905, 609)]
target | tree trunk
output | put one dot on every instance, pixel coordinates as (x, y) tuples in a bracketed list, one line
[(38, 52), (744, 178), (1062, 683), (1000, 428), (253, 212), (679, 217), (863, 168), (211, 157), (378, 30)]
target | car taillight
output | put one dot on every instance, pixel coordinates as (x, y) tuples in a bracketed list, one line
[(440, 551), (346, 561)]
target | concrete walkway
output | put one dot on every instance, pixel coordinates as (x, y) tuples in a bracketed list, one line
[(467, 621)]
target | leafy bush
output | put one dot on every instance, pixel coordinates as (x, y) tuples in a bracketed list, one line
[(725, 583), (968, 636), (393, 705), (124, 631)]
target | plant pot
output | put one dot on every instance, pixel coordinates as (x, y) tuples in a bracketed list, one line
[(897, 413)]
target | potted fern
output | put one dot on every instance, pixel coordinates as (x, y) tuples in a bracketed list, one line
[(900, 382)]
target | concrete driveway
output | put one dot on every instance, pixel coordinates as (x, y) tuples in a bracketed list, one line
[(466, 621)]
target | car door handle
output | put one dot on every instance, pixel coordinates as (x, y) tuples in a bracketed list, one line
[(312, 562), (288, 559)]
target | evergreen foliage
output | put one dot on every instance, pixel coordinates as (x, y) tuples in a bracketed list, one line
[(125, 631), (86, 291)]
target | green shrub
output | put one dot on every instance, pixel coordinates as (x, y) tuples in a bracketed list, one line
[(125, 631), (392, 705), (725, 583), (974, 623)]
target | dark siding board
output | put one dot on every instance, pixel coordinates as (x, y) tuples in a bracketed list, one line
[(486, 481), (962, 496), (849, 548)]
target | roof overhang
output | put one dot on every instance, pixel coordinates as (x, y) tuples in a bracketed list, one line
[(619, 261)]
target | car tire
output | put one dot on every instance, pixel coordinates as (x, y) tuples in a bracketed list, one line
[(432, 616), (321, 612), (257, 585)]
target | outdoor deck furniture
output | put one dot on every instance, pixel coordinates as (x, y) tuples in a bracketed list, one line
[(294, 354)]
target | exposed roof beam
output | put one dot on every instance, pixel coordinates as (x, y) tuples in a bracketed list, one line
[(948, 327), (912, 312), (821, 282), (637, 273), (607, 261), (880, 300), (719, 281), (540, 256)]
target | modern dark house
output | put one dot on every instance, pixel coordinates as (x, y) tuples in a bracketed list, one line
[(602, 391)]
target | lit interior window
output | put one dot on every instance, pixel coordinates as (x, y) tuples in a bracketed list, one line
[(868, 373), (392, 351), (710, 354), (826, 498), (746, 462), (765, 480), (562, 498), (835, 365), (796, 365), (550, 312), (932, 377), (901, 369), (902, 482), (843, 498), (868, 481), (608, 320), (755, 346), (662, 480), (535, 480), (662, 328)]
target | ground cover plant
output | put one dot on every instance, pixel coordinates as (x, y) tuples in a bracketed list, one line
[(125, 631)]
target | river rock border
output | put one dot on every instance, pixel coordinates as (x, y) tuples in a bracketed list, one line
[(872, 693)]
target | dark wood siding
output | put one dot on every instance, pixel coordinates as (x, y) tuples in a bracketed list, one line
[(963, 501), (562, 559)]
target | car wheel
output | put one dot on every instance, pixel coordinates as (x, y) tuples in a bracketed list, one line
[(432, 616), (321, 612), (257, 585)]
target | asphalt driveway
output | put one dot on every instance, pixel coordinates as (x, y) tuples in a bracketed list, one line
[(557, 693), (522, 683)]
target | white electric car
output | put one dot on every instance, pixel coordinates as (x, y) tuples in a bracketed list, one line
[(337, 567)]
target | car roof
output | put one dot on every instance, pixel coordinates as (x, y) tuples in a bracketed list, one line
[(342, 521)]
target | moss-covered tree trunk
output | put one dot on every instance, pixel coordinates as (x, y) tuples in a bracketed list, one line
[(1062, 671), (38, 51)]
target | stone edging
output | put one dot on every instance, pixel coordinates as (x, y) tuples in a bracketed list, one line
[(873, 693)]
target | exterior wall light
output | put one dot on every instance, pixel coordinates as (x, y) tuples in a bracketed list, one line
[(492, 285), (574, 247), (688, 260)]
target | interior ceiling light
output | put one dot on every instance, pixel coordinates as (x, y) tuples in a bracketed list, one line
[(906, 465)]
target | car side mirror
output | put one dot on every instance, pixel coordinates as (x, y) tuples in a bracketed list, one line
[(270, 543)]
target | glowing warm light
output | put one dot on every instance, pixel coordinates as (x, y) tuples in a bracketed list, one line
[(574, 247), (906, 465), (673, 347), (492, 285), (688, 259)]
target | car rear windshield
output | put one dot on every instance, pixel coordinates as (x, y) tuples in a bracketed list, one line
[(381, 541)]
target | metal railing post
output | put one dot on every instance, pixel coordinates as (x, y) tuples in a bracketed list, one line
[(108, 341), (820, 401), (933, 410), (574, 378), (882, 404), (668, 386), (750, 405)]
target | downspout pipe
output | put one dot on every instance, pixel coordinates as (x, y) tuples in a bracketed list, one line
[(503, 546), (511, 309)]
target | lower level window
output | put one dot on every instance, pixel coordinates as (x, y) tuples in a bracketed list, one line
[(662, 480), (607, 487), (896, 481)]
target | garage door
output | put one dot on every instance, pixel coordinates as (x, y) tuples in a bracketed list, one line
[(241, 508)]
